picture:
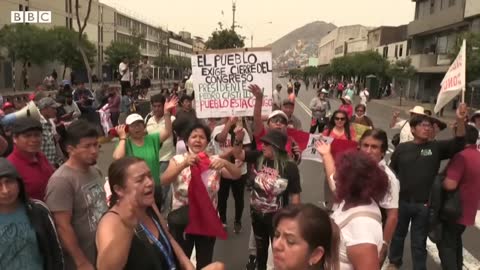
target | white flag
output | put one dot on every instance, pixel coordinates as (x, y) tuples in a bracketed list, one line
[(454, 81), (310, 153)]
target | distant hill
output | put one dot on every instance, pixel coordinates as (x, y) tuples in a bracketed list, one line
[(309, 33)]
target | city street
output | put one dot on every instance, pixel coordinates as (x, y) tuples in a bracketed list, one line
[(234, 251)]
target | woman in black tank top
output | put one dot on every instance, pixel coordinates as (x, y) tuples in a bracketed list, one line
[(132, 234)]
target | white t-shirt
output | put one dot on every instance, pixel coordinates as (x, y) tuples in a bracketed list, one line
[(167, 151), (228, 143), (123, 69), (390, 201), (276, 98), (405, 132), (364, 97), (360, 230)]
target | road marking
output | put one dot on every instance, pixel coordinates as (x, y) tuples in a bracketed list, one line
[(304, 107), (469, 261)]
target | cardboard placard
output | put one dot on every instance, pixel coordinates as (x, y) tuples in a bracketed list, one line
[(221, 79)]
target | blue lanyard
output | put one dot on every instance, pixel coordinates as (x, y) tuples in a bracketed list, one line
[(166, 251)]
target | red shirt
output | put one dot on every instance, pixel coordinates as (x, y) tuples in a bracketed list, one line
[(343, 136), (34, 172), (464, 169), (348, 108)]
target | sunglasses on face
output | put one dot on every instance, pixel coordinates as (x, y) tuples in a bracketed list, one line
[(360, 111), (278, 120), (339, 118)]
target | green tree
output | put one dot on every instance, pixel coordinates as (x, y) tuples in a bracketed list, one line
[(402, 70), (117, 50), (310, 72), (473, 53), (225, 39), (81, 45), (26, 43), (65, 44)]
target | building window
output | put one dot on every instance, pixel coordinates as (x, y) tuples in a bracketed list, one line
[(20, 7), (396, 51), (451, 3), (400, 51), (385, 52), (432, 6)]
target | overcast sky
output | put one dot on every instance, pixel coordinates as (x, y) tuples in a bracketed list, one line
[(267, 20)]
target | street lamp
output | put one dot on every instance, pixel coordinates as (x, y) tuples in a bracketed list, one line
[(252, 32)]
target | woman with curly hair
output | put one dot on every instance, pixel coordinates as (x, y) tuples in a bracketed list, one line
[(359, 184)]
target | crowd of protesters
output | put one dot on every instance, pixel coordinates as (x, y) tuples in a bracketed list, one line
[(165, 195)]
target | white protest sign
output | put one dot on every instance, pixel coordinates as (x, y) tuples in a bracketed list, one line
[(221, 79), (310, 153), (454, 81)]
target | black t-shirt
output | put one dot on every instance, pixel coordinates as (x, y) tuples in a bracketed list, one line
[(272, 184), (417, 165), (297, 85)]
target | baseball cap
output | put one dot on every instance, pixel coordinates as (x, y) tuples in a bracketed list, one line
[(47, 102), (278, 113), (132, 118), (288, 101), (25, 124), (7, 169)]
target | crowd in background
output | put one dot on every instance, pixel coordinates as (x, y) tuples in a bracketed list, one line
[(171, 175)]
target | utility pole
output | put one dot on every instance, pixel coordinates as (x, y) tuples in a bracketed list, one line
[(234, 7)]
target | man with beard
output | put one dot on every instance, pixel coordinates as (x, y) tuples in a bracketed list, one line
[(76, 197)]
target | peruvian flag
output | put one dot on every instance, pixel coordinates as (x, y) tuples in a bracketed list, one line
[(202, 216), (454, 81)]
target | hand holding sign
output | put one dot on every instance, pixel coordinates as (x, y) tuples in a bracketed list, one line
[(323, 148), (462, 112)]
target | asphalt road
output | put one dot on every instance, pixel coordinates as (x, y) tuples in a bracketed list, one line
[(234, 251)]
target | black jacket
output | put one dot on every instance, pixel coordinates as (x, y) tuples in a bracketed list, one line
[(47, 238)]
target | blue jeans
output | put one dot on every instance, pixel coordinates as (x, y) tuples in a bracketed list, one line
[(417, 213)]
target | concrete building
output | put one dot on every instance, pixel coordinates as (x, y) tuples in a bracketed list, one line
[(434, 33), (386, 35), (335, 43), (198, 44), (394, 51), (105, 24), (63, 14), (390, 42), (180, 46)]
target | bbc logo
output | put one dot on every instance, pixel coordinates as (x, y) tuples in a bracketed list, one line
[(31, 17)]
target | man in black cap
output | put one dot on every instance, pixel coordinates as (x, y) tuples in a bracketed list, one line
[(31, 241), (27, 157)]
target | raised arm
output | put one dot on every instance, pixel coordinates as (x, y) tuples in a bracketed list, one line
[(257, 109), (394, 120), (324, 150), (120, 151), (169, 105)]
